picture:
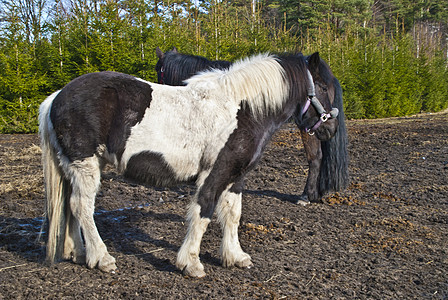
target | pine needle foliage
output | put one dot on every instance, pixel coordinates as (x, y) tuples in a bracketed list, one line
[(390, 56)]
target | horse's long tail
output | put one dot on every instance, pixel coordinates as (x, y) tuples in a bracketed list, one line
[(334, 169), (57, 188)]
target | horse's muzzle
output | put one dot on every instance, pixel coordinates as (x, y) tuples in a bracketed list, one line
[(327, 130)]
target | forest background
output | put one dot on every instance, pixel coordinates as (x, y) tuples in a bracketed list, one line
[(389, 55)]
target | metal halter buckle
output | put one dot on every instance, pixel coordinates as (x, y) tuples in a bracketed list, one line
[(324, 117)]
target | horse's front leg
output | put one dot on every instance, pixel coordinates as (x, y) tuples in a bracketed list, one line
[(229, 213), (314, 157), (218, 187)]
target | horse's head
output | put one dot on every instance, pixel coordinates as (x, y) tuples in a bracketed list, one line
[(318, 116), (160, 63)]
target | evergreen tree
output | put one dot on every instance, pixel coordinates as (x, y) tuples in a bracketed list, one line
[(390, 56), (20, 81)]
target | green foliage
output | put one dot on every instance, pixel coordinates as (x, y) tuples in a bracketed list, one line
[(435, 74), (390, 56), (19, 117)]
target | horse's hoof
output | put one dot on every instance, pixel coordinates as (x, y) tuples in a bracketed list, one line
[(194, 271), (109, 268), (242, 260), (244, 264), (107, 264), (303, 202), (79, 259)]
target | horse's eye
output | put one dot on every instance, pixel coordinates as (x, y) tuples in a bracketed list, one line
[(323, 88)]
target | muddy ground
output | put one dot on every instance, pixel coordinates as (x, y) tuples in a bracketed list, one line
[(385, 237)]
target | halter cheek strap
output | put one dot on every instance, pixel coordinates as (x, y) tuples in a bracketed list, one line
[(306, 106), (324, 116)]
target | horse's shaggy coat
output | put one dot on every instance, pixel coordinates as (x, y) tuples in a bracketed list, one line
[(212, 132), (327, 160)]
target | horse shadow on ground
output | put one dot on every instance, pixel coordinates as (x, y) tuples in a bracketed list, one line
[(23, 237), (122, 231), (274, 194), (130, 231)]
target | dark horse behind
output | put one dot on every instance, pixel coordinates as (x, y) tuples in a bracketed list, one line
[(327, 160)]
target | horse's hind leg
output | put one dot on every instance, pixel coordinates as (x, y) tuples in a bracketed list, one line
[(229, 213), (85, 181), (73, 246)]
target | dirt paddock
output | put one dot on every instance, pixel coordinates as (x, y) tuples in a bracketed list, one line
[(385, 237)]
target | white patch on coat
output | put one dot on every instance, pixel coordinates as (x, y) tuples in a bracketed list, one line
[(185, 125), (190, 124)]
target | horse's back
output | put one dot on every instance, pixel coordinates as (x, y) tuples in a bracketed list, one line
[(98, 109)]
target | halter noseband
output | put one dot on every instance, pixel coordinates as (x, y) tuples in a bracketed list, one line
[(324, 116)]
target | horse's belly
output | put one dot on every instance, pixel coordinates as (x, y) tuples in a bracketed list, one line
[(152, 168), (162, 162)]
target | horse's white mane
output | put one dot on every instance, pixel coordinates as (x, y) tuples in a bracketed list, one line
[(258, 80)]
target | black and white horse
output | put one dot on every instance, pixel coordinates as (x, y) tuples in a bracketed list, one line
[(327, 160), (210, 132)]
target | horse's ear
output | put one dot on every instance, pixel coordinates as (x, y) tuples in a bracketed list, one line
[(174, 50), (313, 62), (159, 53)]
